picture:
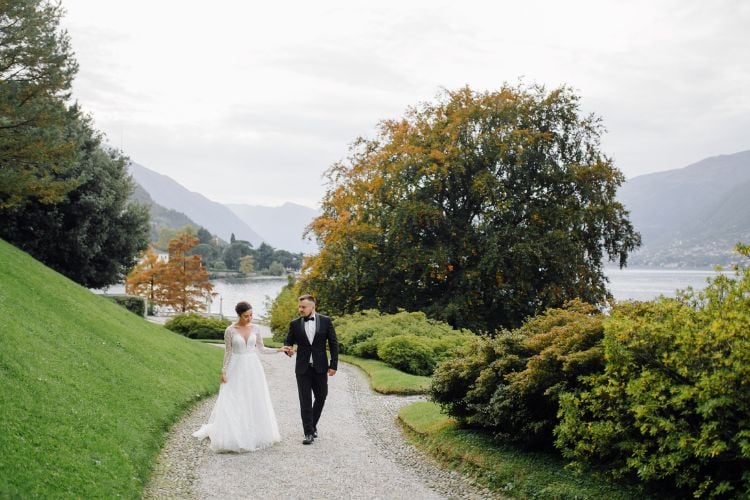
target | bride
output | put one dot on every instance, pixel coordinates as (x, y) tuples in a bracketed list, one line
[(242, 418)]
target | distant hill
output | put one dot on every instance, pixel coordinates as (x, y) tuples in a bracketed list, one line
[(692, 216), (282, 226), (161, 217), (215, 217)]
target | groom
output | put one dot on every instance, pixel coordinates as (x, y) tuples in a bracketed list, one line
[(310, 332)]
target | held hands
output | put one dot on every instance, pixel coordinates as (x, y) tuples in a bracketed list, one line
[(288, 350)]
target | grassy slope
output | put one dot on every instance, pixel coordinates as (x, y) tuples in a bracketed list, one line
[(88, 389), (507, 471)]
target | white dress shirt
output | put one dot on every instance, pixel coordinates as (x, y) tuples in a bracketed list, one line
[(310, 331)]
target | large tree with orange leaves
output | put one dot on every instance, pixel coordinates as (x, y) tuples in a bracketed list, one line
[(480, 209)]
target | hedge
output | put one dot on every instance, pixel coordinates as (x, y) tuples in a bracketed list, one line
[(132, 303), (408, 341), (195, 326)]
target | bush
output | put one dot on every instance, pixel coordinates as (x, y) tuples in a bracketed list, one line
[(408, 353), (195, 326), (354, 332), (363, 334), (370, 334), (367, 349), (511, 384), (132, 303), (218, 265), (673, 403)]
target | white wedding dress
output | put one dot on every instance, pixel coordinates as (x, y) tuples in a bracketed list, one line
[(242, 418)]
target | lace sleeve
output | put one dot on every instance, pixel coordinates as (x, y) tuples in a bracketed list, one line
[(227, 348), (261, 348)]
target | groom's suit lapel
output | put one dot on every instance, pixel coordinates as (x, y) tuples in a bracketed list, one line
[(302, 333)]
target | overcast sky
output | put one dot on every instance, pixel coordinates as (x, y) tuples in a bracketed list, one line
[(250, 102)]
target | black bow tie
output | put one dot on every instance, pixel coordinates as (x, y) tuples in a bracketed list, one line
[(309, 318)]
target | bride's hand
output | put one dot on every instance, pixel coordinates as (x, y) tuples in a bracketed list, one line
[(223, 378), (288, 350)]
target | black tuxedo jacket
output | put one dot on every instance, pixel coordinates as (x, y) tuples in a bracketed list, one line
[(324, 332)]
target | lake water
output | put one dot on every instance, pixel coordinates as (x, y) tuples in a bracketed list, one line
[(232, 291), (255, 291), (647, 284), (634, 284)]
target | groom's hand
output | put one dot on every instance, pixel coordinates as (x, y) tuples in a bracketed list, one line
[(331, 372)]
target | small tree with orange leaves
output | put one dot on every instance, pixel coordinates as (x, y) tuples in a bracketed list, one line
[(143, 278), (181, 282), (184, 283)]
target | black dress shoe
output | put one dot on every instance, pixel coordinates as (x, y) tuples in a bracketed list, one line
[(308, 439), (315, 433)]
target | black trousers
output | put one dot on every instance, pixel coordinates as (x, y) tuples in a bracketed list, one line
[(311, 383)]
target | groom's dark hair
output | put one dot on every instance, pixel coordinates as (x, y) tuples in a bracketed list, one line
[(307, 296)]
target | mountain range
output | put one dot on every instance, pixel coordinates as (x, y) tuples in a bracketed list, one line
[(161, 217), (282, 225), (691, 217), (173, 205), (215, 217)]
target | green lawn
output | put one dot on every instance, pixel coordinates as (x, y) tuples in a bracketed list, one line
[(383, 378), (88, 389), (388, 380), (506, 471), (269, 342)]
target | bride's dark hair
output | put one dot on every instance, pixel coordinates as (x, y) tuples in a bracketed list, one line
[(242, 307)]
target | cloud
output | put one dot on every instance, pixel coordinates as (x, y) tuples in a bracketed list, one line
[(251, 102)]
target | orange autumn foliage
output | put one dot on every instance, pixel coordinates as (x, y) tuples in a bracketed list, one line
[(180, 282)]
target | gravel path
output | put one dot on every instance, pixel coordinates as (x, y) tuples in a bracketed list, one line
[(360, 452)]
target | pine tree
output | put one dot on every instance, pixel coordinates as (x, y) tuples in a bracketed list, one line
[(37, 68)]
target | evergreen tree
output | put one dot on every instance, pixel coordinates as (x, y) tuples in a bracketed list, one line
[(36, 72), (94, 235), (265, 256), (234, 252), (204, 236)]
